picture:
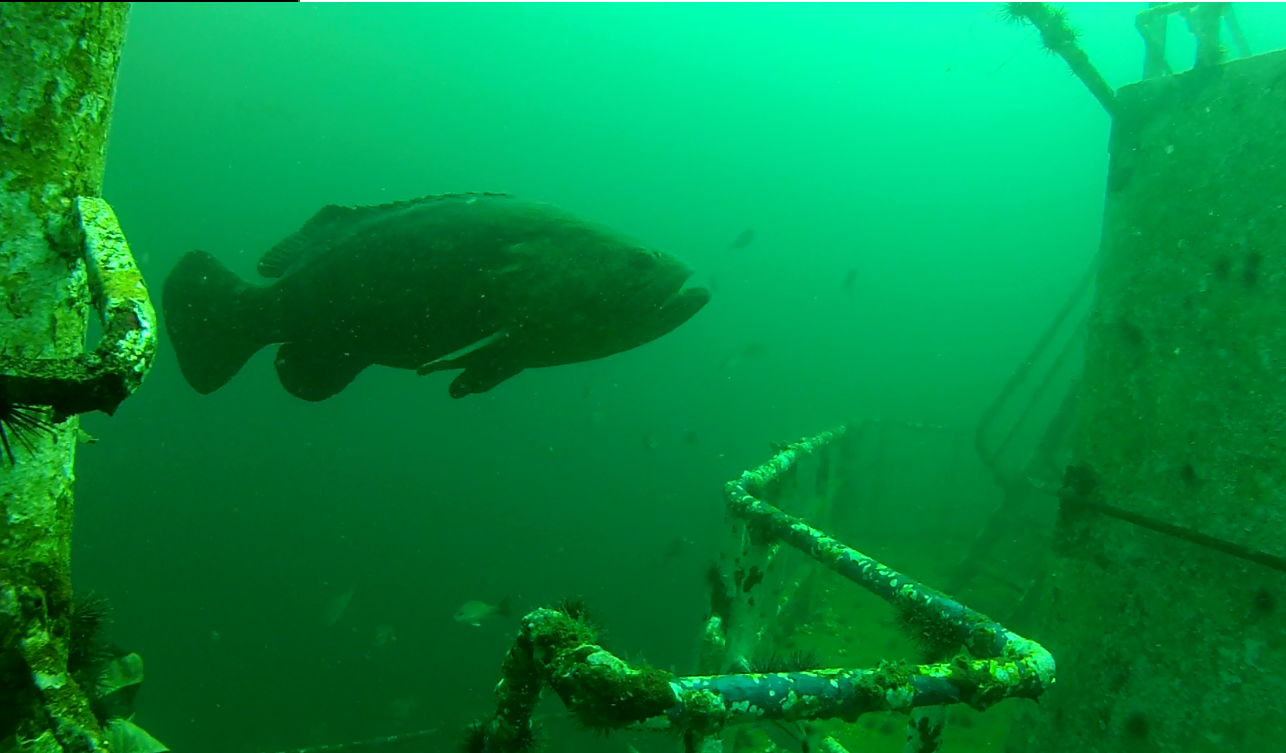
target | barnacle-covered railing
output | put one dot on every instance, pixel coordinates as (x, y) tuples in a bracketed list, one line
[(978, 662)]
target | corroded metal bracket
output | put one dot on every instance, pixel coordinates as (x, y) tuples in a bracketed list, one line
[(1203, 21), (100, 379)]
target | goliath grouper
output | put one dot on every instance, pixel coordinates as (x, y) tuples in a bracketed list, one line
[(482, 282)]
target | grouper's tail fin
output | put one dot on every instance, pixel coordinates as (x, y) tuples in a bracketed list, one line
[(215, 320)]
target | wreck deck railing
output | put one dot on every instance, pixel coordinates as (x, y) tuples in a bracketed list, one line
[(980, 661)]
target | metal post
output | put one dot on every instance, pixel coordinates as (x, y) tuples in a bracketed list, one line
[(62, 254), (1164, 596)]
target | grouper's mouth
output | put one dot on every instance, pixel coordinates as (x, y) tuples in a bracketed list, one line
[(685, 303), (680, 305), (664, 285)]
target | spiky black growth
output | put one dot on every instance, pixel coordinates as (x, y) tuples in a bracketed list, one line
[(19, 422), (88, 650), (89, 620), (525, 740), (803, 660), (572, 606), (577, 610), (592, 729), (1018, 14), (1056, 31), (795, 661), (475, 737), (935, 638)]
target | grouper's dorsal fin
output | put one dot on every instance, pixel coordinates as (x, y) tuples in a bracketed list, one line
[(333, 222), (314, 236)]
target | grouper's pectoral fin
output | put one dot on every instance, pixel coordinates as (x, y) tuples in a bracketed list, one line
[(312, 374), (449, 360), (486, 363), (480, 377)]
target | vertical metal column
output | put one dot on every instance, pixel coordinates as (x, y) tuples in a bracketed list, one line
[(58, 65), (1166, 604)]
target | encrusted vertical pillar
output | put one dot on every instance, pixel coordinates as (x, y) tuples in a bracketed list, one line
[(1165, 643), (58, 65)]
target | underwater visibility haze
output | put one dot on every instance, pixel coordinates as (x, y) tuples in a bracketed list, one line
[(724, 227)]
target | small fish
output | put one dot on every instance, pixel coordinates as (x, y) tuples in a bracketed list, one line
[(650, 442), (336, 606), (746, 237), (474, 612), (384, 635), (850, 279), (402, 708), (84, 437), (751, 350), (675, 549)]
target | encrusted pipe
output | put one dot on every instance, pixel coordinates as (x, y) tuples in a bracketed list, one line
[(1061, 38), (59, 62), (980, 635), (559, 650)]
